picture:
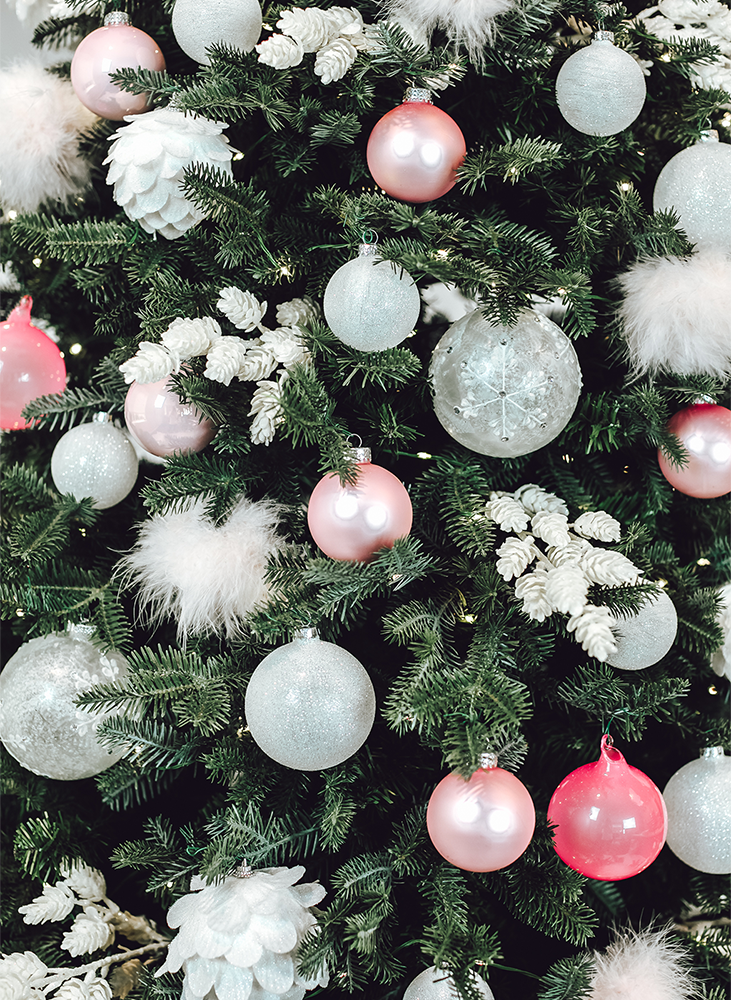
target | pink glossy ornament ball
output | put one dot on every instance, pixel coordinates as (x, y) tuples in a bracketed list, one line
[(117, 45), (610, 818), (353, 522), (704, 430), (415, 150), (30, 366), (481, 824), (161, 424)]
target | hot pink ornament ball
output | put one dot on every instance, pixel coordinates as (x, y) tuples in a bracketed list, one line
[(117, 45), (704, 430), (415, 150), (481, 824), (30, 366), (353, 522), (611, 818), (163, 425)]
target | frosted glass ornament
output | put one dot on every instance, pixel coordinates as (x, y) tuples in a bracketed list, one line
[(371, 304), (161, 423), (698, 800), (600, 89), (704, 430), (310, 704), (696, 183), (644, 638), (505, 391), (198, 24), (435, 984), (30, 366), (39, 723), (95, 460)]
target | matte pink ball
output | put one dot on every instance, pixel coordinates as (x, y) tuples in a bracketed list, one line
[(30, 366), (705, 432), (353, 522), (481, 824), (414, 152), (611, 818), (161, 423), (104, 51)]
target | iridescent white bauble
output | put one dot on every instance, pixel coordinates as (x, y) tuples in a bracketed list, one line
[(435, 984), (644, 638), (600, 89), (696, 182), (95, 460), (698, 800), (371, 304), (198, 24), (310, 704), (505, 391), (39, 723)]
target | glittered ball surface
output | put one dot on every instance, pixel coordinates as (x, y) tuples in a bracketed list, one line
[(30, 366), (414, 152), (161, 423), (104, 51), (481, 824), (600, 89), (698, 800), (611, 818), (435, 984), (310, 704), (644, 638), (39, 723), (371, 304), (198, 24), (695, 182), (704, 430), (505, 391), (95, 460)]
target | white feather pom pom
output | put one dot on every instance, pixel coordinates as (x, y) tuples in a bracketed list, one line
[(209, 577), (466, 22), (39, 155), (676, 314), (645, 966)]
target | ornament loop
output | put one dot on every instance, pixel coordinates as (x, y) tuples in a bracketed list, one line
[(80, 630), (369, 236), (117, 17), (709, 135), (710, 752), (307, 632), (102, 417)]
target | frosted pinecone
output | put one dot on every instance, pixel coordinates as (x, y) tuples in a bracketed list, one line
[(593, 630), (609, 568), (151, 363), (721, 659), (225, 359), (54, 903), (298, 312), (598, 524), (347, 22), (148, 158), (21, 975), (534, 499), (507, 512), (334, 60), (76, 989), (280, 51), (188, 338), (89, 932), (566, 589), (286, 345), (310, 26), (242, 308), (551, 527), (531, 590), (573, 553), (259, 362), (266, 409), (239, 938), (516, 554)]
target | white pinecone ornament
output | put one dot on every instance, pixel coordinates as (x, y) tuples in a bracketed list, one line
[(148, 157), (239, 938)]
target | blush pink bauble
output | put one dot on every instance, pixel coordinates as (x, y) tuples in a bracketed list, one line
[(610, 818), (163, 425), (481, 824), (704, 430), (30, 366)]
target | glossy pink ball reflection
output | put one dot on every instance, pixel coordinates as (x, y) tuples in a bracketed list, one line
[(481, 824), (353, 522), (113, 47), (705, 432), (611, 818), (30, 366), (414, 152), (161, 423)]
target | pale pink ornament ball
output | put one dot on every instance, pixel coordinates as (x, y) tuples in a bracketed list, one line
[(161, 423), (704, 430), (30, 366)]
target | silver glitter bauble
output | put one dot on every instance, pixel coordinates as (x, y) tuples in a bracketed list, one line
[(198, 24), (698, 800), (600, 89), (696, 182), (505, 391), (95, 460), (644, 638), (371, 304), (310, 704), (435, 984), (39, 723)]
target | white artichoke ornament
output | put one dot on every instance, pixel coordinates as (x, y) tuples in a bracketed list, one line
[(239, 938), (147, 158)]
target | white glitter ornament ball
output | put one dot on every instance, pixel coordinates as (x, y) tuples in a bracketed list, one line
[(505, 391), (696, 182), (310, 704), (371, 304), (39, 723), (698, 800), (95, 460), (600, 89), (435, 984), (198, 24), (644, 638)]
